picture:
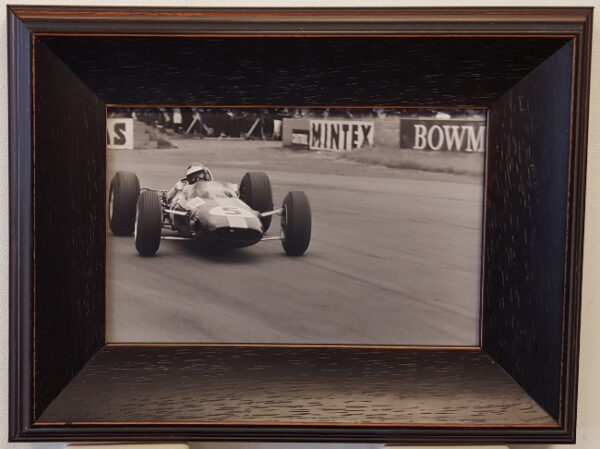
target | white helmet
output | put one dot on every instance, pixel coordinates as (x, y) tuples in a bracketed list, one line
[(197, 172)]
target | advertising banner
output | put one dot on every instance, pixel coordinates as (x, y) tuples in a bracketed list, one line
[(442, 135), (300, 138), (340, 135), (120, 133)]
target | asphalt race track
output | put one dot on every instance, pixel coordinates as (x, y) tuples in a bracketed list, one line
[(394, 257)]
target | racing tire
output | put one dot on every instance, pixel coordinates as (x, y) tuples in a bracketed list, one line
[(148, 223), (122, 198), (256, 192), (296, 223)]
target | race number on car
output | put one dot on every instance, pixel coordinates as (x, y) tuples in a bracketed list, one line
[(230, 211)]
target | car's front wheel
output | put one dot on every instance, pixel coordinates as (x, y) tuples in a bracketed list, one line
[(122, 197), (148, 223), (296, 223), (255, 191)]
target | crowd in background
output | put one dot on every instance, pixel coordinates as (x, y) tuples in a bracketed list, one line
[(252, 123)]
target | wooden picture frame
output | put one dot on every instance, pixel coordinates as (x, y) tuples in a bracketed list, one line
[(529, 67)]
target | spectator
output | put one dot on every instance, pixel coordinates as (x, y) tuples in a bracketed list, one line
[(177, 120)]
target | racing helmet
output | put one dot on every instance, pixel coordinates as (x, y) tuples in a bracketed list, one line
[(197, 172)]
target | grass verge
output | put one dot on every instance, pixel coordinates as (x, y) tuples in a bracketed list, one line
[(431, 161)]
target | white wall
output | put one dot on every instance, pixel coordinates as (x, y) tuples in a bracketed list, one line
[(589, 385)]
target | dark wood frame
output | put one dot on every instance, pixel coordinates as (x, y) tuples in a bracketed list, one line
[(533, 230)]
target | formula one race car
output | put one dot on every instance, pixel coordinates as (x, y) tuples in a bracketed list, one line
[(214, 213)]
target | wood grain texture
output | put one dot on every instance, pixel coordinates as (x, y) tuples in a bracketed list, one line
[(21, 226), (575, 227), (301, 71), (69, 226), (294, 386), (526, 213), (245, 21)]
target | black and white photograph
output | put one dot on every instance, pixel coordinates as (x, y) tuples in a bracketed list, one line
[(334, 226)]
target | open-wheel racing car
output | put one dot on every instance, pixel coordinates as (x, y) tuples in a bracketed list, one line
[(214, 213)]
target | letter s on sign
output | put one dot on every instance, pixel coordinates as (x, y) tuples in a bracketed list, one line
[(120, 138)]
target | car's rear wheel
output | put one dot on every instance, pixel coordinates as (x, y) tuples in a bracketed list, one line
[(122, 198), (256, 192), (296, 223), (148, 223)]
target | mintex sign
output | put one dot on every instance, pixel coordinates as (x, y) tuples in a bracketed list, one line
[(442, 135), (120, 133), (340, 135)]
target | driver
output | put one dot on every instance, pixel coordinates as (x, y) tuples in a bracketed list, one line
[(194, 173)]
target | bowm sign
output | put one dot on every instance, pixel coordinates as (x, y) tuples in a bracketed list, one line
[(442, 135)]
